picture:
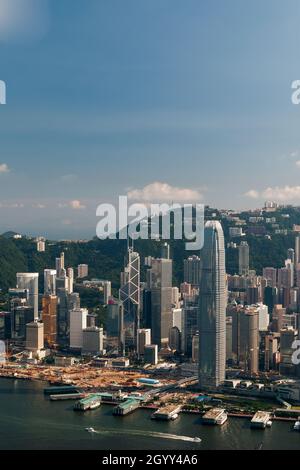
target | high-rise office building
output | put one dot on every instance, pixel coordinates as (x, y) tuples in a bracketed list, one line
[(60, 265), (165, 251), (106, 292), (49, 281), (175, 339), (243, 259), (270, 274), (70, 275), (270, 298), (245, 337), (191, 268), (78, 322), (143, 339), (160, 284), (285, 277), (21, 315), (30, 281), (228, 338), (92, 340), (287, 337), (35, 336), (190, 322), (49, 317), (291, 255), (115, 325), (212, 308), (130, 296), (151, 354), (297, 249)]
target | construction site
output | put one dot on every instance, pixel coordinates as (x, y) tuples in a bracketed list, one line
[(83, 376)]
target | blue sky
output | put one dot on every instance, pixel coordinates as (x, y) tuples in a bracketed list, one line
[(106, 97)]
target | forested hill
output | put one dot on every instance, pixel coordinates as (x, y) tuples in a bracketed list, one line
[(106, 257)]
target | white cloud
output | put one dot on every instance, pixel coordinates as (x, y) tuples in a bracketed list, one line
[(163, 192), (252, 193), (298, 163), (75, 204), (4, 168), (278, 193)]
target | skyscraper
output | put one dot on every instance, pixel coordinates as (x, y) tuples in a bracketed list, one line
[(192, 270), (78, 322), (297, 249), (30, 281), (160, 283), (212, 308), (130, 296), (243, 259), (49, 317), (49, 281), (60, 265)]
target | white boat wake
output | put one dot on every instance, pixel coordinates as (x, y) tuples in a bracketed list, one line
[(158, 435)]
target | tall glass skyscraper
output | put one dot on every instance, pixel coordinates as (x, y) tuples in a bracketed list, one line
[(130, 296), (212, 308)]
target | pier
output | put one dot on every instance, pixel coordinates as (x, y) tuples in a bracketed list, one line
[(126, 407), (167, 412), (260, 420), (216, 416)]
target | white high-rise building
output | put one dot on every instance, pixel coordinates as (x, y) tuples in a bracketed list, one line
[(30, 281), (78, 322), (212, 308), (263, 317)]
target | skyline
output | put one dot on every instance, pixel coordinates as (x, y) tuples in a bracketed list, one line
[(105, 101)]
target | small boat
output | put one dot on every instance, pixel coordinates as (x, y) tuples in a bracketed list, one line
[(297, 425), (269, 424), (175, 416), (90, 429), (197, 439)]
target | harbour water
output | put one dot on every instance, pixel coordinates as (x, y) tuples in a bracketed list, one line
[(29, 420)]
